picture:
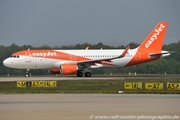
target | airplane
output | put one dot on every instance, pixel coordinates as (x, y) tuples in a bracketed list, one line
[(76, 62)]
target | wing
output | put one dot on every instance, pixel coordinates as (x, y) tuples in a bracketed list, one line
[(104, 60)]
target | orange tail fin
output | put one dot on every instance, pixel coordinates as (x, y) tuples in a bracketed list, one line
[(155, 39)]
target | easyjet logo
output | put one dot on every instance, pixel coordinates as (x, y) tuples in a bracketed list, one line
[(44, 54), (155, 35)]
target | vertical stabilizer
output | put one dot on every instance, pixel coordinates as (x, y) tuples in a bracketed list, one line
[(154, 41)]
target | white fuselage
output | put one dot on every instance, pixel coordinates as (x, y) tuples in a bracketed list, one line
[(41, 62)]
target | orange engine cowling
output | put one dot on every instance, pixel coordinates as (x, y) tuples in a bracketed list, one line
[(54, 71), (67, 69)]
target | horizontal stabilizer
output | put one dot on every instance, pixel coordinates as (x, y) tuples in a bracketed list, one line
[(160, 54)]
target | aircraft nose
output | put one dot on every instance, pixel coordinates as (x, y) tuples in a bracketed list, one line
[(6, 62)]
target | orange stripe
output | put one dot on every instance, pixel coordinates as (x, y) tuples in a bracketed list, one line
[(51, 54)]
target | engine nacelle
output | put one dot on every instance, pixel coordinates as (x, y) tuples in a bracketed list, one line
[(54, 71), (67, 69)]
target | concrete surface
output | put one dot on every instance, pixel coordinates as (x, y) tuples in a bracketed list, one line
[(86, 78), (86, 106)]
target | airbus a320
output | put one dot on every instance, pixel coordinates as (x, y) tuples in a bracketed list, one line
[(79, 61)]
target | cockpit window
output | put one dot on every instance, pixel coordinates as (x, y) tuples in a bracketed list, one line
[(14, 56)]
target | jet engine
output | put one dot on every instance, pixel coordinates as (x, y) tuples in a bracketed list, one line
[(54, 71), (65, 69)]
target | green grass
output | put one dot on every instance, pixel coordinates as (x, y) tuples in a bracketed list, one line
[(89, 86)]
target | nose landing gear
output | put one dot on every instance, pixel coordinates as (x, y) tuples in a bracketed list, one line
[(27, 74)]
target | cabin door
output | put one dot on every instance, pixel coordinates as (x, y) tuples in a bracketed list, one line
[(28, 57)]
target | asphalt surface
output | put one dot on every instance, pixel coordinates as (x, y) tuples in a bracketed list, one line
[(87, 78), (88, 106)]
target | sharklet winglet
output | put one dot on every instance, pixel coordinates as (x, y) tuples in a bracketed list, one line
[(124, 53)]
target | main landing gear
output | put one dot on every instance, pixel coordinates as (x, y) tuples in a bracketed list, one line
[(80, 74)]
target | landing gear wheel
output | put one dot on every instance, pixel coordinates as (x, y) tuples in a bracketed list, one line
[(79, 74), (87, 74), (27, 74)]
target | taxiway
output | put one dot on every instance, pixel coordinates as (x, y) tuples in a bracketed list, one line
[(2, 79), (86, 106)]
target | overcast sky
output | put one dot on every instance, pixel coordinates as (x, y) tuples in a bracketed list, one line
[(69, 22)]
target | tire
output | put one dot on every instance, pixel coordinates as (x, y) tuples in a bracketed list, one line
[(87, 74), (79, 74)]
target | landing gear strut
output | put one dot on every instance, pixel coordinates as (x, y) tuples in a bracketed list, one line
[(27, 74)]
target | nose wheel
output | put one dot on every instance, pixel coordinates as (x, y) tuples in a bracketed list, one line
[(27, 74)]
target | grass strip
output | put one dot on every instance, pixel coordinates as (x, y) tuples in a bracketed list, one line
[(90, 86)]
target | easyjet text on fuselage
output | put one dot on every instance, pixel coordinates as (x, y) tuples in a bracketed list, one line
[(43, 54)]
